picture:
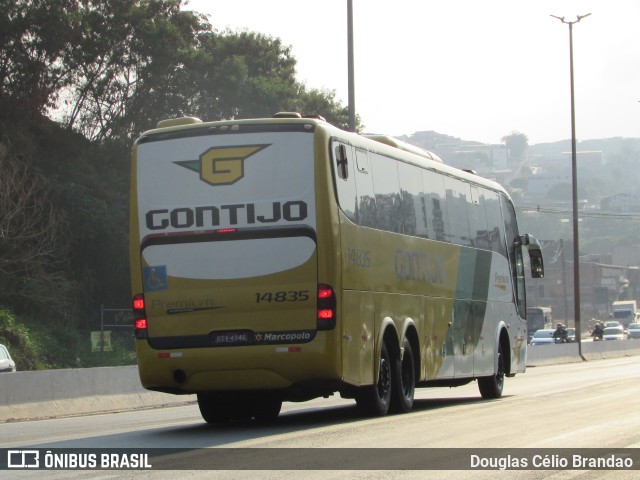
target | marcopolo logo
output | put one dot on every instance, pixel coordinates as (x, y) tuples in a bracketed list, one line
[(222, 165), (292, 336)]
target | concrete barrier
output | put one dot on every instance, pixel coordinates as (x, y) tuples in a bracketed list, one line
[(568, 352), (60, 393), (68, 392)]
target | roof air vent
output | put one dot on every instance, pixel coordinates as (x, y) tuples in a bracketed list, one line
[(287, 115)]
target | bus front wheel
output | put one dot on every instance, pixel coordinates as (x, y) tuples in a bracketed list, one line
[(491, 387), (375, 399)]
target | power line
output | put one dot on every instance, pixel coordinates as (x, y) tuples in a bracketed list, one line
[(583, 214)]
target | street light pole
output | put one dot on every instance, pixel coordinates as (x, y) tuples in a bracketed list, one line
[(352, 104), (574, 179)]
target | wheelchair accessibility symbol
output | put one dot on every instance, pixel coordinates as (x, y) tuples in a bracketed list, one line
[(155, 278)]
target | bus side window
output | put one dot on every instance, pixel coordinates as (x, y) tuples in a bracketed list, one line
[(386, 186), (458, 193), (362, 161), (478, 219), (366, 203), (515, 254), (412, 202), (495, 225), (435, 206), (345, 183), (520, 282), (342, 164)]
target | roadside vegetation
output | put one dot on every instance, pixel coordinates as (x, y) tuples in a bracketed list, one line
[(80, 80)]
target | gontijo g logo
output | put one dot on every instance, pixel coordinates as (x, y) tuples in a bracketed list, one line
[(222, 165)]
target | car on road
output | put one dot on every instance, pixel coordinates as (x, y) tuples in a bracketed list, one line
[(571, 335), (613, 333), (634, 330), (612, 323), (543, 337), (6, 362)]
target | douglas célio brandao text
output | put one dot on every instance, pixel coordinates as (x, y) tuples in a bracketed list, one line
[(550, 462)]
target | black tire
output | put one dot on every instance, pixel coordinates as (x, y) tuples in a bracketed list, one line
[(220, 408), (215, 409), (491, 387), (404, 385), (374, 400), (266, 409)]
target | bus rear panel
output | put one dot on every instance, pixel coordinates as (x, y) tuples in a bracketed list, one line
[(227, 258)]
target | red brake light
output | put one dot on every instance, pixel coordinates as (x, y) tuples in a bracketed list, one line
[(141, 324), (325, 314), (326, 319), (138, 303), (139, 316), (324, 292)]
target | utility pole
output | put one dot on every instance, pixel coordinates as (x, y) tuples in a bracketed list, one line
[(352, 101), (574, 175), (564, 282)]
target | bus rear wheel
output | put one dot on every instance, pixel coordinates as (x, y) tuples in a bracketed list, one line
[(266, 408), (404, 385), (216, 409), (223, 408), (374, 400), (491, 387)]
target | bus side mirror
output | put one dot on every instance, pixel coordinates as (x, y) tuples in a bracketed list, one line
[(537, 266), (535, 254)]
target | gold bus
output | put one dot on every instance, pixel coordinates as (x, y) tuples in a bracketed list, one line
[(284, 259)]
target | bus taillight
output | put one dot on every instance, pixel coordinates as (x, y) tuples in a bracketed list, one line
[(326, 307), (139, 317), (141, 324)]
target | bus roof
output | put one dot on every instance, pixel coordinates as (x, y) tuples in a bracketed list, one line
[(382, 144)]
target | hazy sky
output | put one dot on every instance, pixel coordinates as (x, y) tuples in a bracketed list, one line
[(475, 69)]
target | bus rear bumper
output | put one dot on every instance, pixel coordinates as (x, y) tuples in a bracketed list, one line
[(237, 368)]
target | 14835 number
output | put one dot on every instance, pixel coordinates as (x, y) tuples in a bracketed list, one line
[(284, 296)]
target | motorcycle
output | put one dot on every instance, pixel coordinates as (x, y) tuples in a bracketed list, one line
[(560, 336), (597, 334)]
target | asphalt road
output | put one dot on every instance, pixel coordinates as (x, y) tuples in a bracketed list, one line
[(577, 406)]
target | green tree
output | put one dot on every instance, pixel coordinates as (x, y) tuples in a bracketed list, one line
[(517, 144), (32, 239), (33, 37), (127, 50), (242, 75), (107, 71), (323, 102)]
